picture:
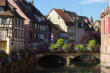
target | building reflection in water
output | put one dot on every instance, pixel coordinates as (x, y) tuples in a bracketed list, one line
[(65, 69), (105, 70)]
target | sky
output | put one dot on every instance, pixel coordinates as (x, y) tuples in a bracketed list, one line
[(81, 7)]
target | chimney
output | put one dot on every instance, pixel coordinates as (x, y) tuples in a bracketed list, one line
[(91, 20), (63, 9), (32, 2)]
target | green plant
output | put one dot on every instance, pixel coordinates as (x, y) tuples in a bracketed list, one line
[(80, 47), (91, 45), (53, 47), (67, 47), (60, 43)]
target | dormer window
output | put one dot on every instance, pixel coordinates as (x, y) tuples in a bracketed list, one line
[(1, 9)]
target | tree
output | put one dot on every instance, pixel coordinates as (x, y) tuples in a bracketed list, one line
[(60, 43), (79, 47), (91, 45), (67, 47), (53, 47)]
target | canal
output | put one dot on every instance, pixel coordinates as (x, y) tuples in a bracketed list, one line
[(72, 68), (58, 64)]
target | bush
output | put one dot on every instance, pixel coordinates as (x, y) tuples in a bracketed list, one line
[(67, 47), (60, 43), (91, 45), (80, 47), (53, 47)]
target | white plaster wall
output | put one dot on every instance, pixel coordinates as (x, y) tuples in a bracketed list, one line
[(53, 17)]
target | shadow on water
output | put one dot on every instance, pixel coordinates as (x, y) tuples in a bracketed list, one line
[(51, 61), (58, 64), (85, 61)]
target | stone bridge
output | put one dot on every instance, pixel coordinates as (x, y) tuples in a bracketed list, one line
[(67, 55)]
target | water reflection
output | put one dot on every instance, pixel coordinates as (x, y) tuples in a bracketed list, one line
[(105, 70), (65, 69)]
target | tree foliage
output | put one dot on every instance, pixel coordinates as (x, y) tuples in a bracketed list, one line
[(79, 47), (92, 44), (67, 47), (60, 43), (53, 47)]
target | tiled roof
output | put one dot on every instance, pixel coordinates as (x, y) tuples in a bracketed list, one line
[(63, 15), (69, 17), (74, 16), (10, 11), (29, 10), (85, 19), (2, 2)]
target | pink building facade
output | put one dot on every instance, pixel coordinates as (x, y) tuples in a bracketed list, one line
[(105, 37)]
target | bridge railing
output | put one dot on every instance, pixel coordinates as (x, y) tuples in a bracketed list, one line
[(67, 52)]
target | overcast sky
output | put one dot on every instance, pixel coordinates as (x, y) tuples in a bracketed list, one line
[(81, 7)]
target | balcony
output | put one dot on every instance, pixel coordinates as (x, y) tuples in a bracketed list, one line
[(5, 26)]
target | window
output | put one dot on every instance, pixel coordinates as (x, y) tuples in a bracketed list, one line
[(43, 28), (21, 24), (15, 33), (15, 22), (30, 35), (35, 25), (1, 9), (3, 21), (40, 27), (42, 36)]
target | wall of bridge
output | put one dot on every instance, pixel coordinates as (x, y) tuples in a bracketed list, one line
[(66, 55)]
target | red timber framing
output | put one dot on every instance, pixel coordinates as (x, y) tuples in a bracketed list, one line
[(104, 26), (109, 25)]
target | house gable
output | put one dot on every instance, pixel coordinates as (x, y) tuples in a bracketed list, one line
[(55, 18)]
